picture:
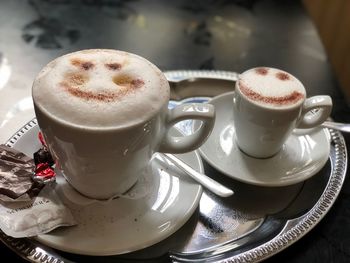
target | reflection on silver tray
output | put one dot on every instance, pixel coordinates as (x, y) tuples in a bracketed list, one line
[(254, 224)]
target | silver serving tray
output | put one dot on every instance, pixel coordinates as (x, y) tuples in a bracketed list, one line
[(252, 225)]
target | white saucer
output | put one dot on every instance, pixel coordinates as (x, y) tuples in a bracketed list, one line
[(124, 225), (303, 155)]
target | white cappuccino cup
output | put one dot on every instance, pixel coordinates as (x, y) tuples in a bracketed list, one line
[(268, 104), (103, 114)]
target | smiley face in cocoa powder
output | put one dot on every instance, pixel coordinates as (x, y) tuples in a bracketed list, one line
[(76, 81), (279, 80)]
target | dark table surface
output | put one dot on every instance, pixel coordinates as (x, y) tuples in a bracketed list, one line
[(232, 35)]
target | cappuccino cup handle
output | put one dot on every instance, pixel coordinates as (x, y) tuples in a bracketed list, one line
[(321, 107), (195, 111)]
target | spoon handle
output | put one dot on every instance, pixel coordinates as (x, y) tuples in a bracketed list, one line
[(344, 127), (203, 179)]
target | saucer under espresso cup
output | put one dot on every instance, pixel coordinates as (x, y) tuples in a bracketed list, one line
[(303, 154)]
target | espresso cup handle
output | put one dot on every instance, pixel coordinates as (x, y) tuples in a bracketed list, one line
[(322, 106), (195, 111)]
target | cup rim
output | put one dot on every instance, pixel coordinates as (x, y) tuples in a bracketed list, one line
[(43, 110), (268, 106)]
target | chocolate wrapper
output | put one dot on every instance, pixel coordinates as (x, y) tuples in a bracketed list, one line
[(16, 170), (29, 204), (39, 216), (23, 198)]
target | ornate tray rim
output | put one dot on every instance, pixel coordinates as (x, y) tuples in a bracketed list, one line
[(292, 231)]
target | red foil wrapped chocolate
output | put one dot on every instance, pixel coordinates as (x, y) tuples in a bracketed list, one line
[(44, 171)]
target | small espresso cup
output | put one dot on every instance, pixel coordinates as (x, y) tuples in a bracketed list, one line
[(268, 104), (104, 113)]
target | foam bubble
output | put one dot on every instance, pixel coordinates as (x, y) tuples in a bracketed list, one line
[(271, 87), (101, 88)]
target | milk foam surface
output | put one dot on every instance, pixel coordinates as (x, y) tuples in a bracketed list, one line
[(101, 88), (271, 87)]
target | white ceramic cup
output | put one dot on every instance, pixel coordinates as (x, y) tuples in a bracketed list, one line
[(103, 162), (264, 115)]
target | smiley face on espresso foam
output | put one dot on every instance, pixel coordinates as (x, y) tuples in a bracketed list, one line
[(101, 88), (271, 87)]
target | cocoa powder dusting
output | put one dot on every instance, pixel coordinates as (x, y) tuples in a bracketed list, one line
[(122, 80), (128, 82), (73, 84), (76, 62), (262, 71), (282, 75), (283, 100), (87, 95), (113, 66), (85, 65), (137, 83), (76, 79)]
